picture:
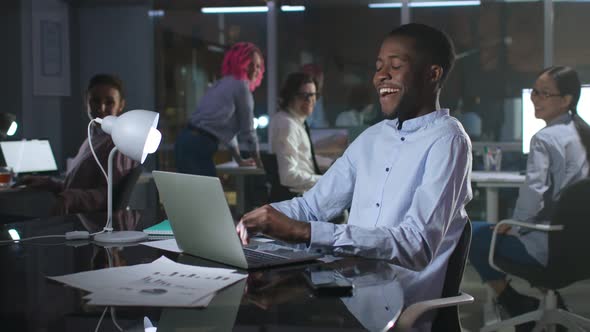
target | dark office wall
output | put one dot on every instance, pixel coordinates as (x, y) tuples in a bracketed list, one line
[(119, 40), (10, 63), (41, 115)]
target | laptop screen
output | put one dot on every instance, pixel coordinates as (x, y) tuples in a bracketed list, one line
[(29, 156)]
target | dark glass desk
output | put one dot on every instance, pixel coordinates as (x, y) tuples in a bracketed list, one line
[(268, 300)]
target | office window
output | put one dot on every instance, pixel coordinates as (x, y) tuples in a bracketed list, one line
[(499, 48)]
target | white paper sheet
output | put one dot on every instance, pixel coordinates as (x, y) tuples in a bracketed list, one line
[(168, 245), (147, 297), (160, 283)]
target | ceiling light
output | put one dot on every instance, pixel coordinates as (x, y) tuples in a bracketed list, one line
[(422, 4), (247, 9)]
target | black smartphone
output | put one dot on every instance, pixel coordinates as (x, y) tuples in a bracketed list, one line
[(328, 282)]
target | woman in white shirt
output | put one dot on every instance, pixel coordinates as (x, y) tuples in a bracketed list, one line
[(558, 158), (289, 139)]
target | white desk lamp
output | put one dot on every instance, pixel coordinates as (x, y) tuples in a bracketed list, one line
[(135, 135)]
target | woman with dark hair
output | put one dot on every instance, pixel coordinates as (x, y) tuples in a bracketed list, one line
[(558, 157), (84, 188), (299, 168), (226, 110)]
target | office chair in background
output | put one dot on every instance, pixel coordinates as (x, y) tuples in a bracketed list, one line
[(447, 317), (278, 192), (122, 194), (567, 261)]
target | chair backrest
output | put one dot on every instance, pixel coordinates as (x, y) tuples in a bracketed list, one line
[(278, 192), (568, 248), (122, 193), (447, 319)]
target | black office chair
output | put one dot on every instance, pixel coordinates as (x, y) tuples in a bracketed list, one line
[(122, 193), (567, 260), (278, 192), (447, 316)]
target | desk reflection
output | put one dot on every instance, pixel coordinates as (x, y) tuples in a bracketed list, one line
[(276, 299), (220, 315)]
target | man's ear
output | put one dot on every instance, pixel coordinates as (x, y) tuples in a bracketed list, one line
[(567, 100), (435, 74)]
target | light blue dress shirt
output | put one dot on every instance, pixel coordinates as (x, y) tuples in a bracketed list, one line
[(407, 190), (557, 158)]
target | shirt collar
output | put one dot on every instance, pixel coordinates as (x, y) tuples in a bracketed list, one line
[(564, 118), (298, 117), (412, 125)]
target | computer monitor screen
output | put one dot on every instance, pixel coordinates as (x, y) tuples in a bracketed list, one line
[(29, 156), (530, 124)]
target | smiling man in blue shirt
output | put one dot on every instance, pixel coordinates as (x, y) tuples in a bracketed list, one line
[(406, 179)]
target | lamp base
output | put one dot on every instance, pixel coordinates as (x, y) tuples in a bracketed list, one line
[(121, 237)]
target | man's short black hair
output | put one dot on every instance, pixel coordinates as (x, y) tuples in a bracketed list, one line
[(291, 87), (432, 44)]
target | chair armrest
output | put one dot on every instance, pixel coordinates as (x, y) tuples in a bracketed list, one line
[(406, 320), (538, 227)]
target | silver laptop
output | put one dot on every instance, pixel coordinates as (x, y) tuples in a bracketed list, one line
[(203, 225), (29, 156)]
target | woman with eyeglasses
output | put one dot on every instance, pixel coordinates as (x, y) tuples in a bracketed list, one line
[(298, 166), (558, 157), (225, 112)]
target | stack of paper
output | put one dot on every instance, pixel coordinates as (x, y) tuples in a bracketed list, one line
[(162, 283)]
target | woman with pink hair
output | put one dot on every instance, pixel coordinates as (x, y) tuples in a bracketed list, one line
[(225, 111)]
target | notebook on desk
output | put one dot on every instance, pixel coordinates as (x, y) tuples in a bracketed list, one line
[(160, 231), (203, 225)]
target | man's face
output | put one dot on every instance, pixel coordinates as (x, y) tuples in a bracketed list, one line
[(399, 78), (304, 100), (104, 100)]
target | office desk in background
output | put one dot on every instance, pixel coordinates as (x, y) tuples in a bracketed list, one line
[(21, 203), (492, 181), (278, 298), (232, 168)]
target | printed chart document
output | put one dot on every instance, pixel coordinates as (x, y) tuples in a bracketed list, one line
[(162, 283)]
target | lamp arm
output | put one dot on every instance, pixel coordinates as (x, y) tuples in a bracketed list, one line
[(109, 225), (92, 147)]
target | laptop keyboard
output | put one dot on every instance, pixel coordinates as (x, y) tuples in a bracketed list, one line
[(255, 258)]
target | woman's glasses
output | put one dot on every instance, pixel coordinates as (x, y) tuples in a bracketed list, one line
[(543, 95), (307, 95)]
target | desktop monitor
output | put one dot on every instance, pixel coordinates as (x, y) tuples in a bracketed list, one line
[(530, 124), (29, 156)]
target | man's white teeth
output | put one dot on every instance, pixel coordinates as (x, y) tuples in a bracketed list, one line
[(386, 91)]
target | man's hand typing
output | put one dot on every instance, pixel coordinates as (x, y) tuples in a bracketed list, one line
[(270, 222)]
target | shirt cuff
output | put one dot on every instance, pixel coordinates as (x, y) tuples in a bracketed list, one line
[(322, 235)]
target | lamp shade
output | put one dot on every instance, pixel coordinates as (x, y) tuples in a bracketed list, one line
[(134, 133), (8, 124)]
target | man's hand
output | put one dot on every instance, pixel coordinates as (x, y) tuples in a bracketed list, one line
[(33, 181), (268, 221), (503, 229), (246, 162)]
